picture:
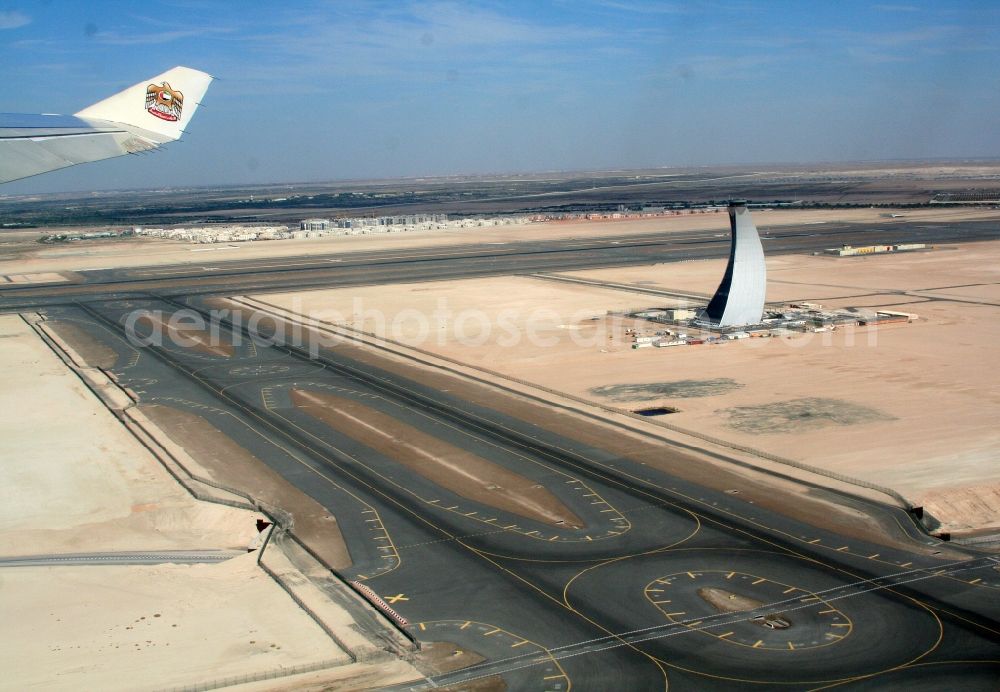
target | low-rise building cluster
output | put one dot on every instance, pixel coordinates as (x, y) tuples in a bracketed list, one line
[(318, 228), (851, 251), (364, 225), (217, 234), (686, 328)]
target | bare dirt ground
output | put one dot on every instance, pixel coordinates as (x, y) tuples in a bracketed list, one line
[(727, 601), (24, 256), (74, 480), (149, 627), (911, 406)]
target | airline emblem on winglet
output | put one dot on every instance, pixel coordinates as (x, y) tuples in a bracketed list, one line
[(164, 102)]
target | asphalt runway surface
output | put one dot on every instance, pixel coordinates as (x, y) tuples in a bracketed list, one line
[(634, 597), (222, 275)]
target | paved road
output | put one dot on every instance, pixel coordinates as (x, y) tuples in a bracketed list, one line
[(424, 264), (635, 595), (619, 600), (122, 557)]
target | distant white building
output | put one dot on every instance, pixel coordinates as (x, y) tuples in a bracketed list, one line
[(314, 225)]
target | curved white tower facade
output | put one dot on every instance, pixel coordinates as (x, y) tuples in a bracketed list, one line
[(739, 300)]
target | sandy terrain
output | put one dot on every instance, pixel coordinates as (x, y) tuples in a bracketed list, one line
[(35, 259), (127, 628), (74, 481), (909, 406), (35, 278)]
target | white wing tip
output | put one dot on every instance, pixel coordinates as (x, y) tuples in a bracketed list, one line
[(161, 105)]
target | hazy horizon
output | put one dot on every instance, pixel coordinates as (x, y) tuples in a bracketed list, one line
[(331, 93), (506, 175)]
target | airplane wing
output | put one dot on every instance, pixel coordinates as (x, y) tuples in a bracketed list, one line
[(141, 118)]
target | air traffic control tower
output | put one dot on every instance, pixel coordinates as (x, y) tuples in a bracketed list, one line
[(739, 300)]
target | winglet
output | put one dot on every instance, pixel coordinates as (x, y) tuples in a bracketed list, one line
[(161, 105)]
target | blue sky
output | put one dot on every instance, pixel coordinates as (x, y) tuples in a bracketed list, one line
[(311, 91)]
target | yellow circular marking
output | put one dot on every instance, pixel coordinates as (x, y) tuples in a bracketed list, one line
[(518, 646), (665, 664), (662, 592)]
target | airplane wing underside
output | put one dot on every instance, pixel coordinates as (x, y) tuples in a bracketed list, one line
[(30, 145), (138, 119)]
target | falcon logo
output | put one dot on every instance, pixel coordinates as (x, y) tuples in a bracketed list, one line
[(164, 102)]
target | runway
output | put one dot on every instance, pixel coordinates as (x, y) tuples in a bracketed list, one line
[(618, 576), (121, 557), (621, 597), (228, 276)]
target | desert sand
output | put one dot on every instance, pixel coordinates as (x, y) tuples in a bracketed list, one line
[(74, 480)]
